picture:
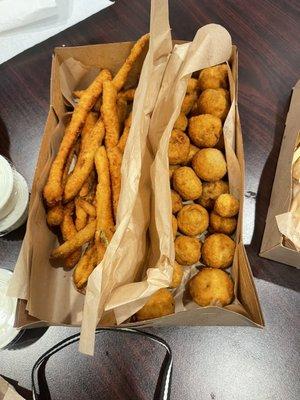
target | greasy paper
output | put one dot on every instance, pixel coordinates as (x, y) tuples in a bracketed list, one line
[(211, 46), (128, 248)]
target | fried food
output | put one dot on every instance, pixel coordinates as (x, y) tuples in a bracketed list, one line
[(159, 304), (176, 202), (87, 207), (105, 223), (187, 250), (211, 191), (177, 275), (53, 189), (226, 205), (92, 137), (209, 164), (188, 102), (192, 152), (115, 161), (192, 219), (88, 186), (81, 216), (179, 147), (174, 225), (205, 130), (186, 183), (211, 287), (55, 215), (215, 102), (192, 85), (221, 224), (124, 137), (85, 267), (194, 111), (181, 122), (109, 112), (213, 77), (127, 95), (122, 110), (218, 250), (172, 168), (121, 77), (68, 230), (78, 93), (76, 242)]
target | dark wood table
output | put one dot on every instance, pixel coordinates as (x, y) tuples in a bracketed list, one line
[(210, 362)]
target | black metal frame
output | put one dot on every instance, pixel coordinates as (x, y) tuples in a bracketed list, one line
[(163, 388)]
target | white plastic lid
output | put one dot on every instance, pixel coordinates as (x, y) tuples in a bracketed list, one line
[(8, 307), (20, 199), (6, 186)]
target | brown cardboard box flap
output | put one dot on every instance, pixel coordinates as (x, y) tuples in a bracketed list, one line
[(272, 244)]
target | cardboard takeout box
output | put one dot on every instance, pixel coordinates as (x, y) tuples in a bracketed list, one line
[(274, 247), (112, 57)]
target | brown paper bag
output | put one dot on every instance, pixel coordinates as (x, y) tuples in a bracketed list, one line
[(211, 46)]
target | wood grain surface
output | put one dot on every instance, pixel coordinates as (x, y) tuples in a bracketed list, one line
[(209, 363)]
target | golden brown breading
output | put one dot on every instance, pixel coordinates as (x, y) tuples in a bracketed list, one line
[(159, 304), (127, 95), (226, 205), (53, 189), (218, 250), (124, 137), (192, 219), (81, 216), (55, 215), (115, 162), (187, 250), (211, 287), (121, 76), (222, 225), (209, 164), (172, 168), (211, 191), (181, 122), (215, 102), (186, 183), (176, 202), (174, 225), (213, 77), (192, 85), (205, 130), (68, 230), (77, 241), (91, 140), (177, 275), (109, 112), (179, 147), (85, 267), (105, 223), (192, 152), (188, 102)]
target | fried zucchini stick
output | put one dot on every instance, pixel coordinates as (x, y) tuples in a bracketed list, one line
[(105, 223), (121, 77), (115, 162), (76, 241), (81, 216), (124, 137), (85, 162), (109, 112), (85, 267), (55, 214), (87, 207), (68, 230), (53, 189), (127, 95), (122, 110)]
